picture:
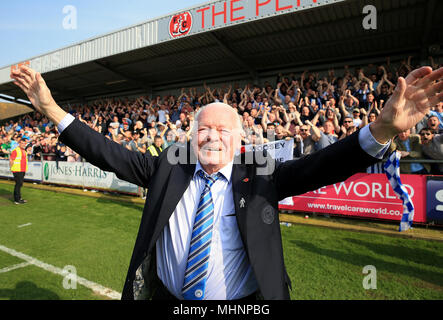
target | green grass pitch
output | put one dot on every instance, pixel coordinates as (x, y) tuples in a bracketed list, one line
[(97, 237)]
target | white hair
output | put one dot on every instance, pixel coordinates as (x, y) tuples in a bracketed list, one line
[(197, 116)]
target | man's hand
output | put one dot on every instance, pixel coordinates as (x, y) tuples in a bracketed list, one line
[(34, 86), (410, 102), (404, 154)]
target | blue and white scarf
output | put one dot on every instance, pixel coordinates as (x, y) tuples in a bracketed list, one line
[(392, 169)]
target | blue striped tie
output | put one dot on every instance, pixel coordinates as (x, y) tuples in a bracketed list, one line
[(198, 259)]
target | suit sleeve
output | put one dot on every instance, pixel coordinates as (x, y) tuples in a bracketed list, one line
[(109, 156), (333, 164)]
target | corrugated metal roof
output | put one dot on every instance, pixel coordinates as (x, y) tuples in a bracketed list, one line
[(320, 35)]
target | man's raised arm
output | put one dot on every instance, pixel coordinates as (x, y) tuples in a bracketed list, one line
[(91, 145), (34, 86), (411, 101)]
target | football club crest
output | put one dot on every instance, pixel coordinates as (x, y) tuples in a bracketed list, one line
[(180, 24)]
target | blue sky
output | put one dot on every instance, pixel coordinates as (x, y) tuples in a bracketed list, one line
[(30, 28)]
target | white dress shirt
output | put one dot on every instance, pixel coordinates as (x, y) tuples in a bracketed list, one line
[(230, 274)]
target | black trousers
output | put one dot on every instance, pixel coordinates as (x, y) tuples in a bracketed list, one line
[(18, 178)]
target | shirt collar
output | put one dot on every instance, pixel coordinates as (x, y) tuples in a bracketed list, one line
[(226, 171)]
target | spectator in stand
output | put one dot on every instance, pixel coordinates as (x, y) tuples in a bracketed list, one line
[(60, 153), (332, 119), (365, 87), (171, 137), (101, 125), (438, 112), (71, 156), (50, 149), (348, 103), (330, 114), (306, 114), (115, 126), (5, 147), (410, 148), (304, 143), (356, 117), (161, 113), (372, 117), (434, 124), (324, 137), (156, 148), (37, 149), (385, 87), (430, 121), (432, 146), (15, 141), (128, 141), (347, 128)]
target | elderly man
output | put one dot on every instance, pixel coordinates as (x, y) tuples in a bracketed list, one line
[(211, 228)]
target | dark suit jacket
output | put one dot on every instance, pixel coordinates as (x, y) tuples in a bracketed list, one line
[(258, 220)]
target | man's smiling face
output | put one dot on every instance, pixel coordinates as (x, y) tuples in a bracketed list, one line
[(217, 136)]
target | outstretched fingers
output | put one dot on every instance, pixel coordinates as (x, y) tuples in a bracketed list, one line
[(418, 74), (434, 89), (21, 86), (436, 99), (24, 84), (24, 75), (431, 78), (28, 72), (19, 76)]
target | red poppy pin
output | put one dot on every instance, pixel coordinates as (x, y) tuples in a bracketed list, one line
[(246, 180)]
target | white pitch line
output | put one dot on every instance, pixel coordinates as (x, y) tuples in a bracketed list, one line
[(24, 225), (16, 266), (99, 289)]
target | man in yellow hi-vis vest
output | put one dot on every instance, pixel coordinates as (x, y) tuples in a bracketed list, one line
[(19, 165), (156, 148)]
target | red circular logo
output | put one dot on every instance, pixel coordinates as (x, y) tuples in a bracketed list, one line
[(180, 24)]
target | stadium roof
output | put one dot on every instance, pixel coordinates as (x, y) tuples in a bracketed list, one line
[(235, 39), (10, 110)]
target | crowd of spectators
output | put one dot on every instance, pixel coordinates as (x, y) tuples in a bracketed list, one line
[(315, 111)]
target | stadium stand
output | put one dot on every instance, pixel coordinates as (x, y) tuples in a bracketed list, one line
[(310, 73)]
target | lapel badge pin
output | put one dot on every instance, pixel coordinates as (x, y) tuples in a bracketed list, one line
[(242, 202), (246, 180)]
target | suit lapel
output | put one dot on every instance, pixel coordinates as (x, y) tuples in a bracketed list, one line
[(241, 187)]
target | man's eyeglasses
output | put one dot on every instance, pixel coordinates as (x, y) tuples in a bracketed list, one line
[(348, 121), (303, 130), (426, 134)]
